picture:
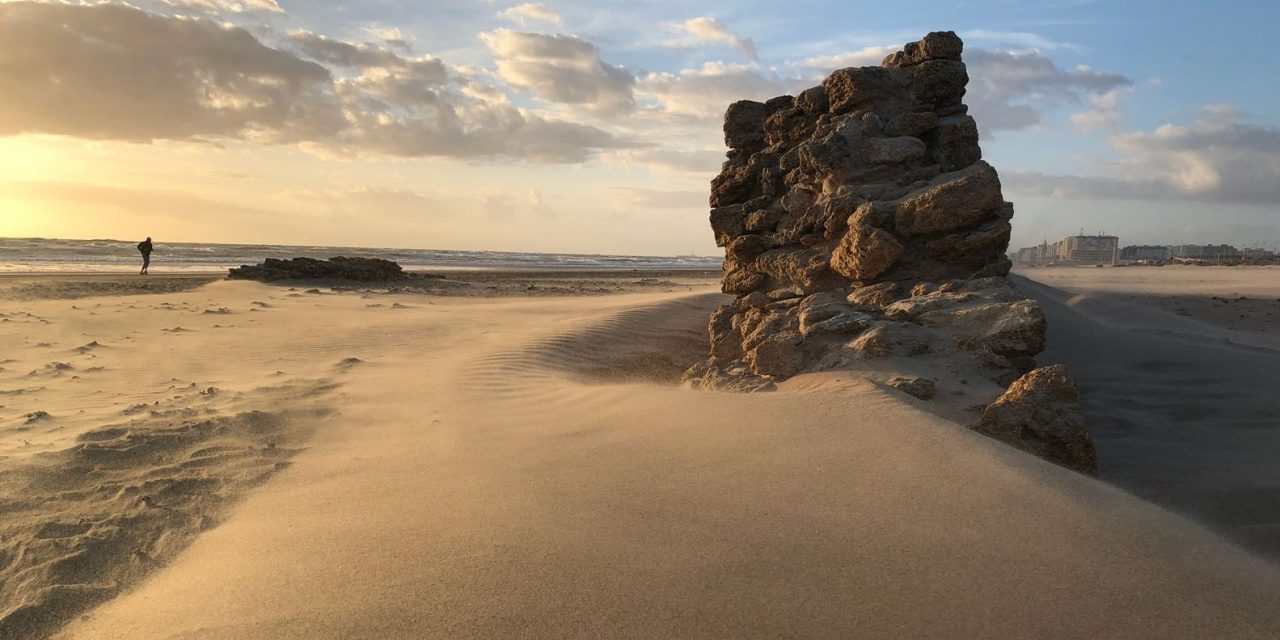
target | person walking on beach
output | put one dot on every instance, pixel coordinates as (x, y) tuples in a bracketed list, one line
[(144, 247)]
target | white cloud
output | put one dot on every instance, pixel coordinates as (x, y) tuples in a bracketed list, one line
[(705, 92), (701, 162), (392, 36), (532, 11), (1009, 91), (1216, 158), (229, 6), (867, 56), (709, 30), (561, 69), (1105, 114), (114, 72)]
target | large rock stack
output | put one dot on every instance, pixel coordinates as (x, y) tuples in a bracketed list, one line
[(860, 223)]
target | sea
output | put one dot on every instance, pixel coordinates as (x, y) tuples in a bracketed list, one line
[(50, 255)]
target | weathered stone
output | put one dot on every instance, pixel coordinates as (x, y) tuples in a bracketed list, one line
[(763, 219), (938, 45), (865, 252), (860, 223), (737, 183), (843, 323), (915, 306), (1040, 413), (745, 248), (922, 388), (893, 150), (911, 124), (880, 294), (777, 356), (339, 268), (887, 339), (744, 125), (1015, 327), (813, 101), (973, 248), (864, 88), (955, 142), (939, 82), (726, 342), (727, 223), (952, 201), (740, 281), (787, 126), (801, 266)]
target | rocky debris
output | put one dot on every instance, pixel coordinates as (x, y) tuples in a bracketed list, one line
[(860, 224), (340, 268), (922, 388), (1040, 413)]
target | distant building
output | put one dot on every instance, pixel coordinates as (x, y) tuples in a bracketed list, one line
[(1144, 253), (1204, 252), (1088, 250)]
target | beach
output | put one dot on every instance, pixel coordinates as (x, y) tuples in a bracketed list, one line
[(511, 456)]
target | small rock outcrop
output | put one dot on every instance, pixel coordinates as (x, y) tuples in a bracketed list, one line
[(1040, 413), (339, 268), (860, 224)]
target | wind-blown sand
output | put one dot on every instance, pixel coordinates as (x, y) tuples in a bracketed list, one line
[(526, 467), (1178, 369)]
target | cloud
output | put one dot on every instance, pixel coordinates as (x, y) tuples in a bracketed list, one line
[(392, 36), (532, 11), (629, 198), (865, 57), (561, 69), (1009, 91), (709, 30), (704, 162), (505, 205), (1217, 158), (370, 201), (113, 72), (704, 93), (1105, 113), (427, 69), (228, 6)]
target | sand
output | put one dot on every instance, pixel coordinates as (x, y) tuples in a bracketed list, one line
[(526, 467), (1179, 388)]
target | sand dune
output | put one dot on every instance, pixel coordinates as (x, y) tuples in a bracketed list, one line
[(527, 468)]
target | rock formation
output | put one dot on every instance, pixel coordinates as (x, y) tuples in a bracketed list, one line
[(861, 224), (1040, 413), (359, 269)]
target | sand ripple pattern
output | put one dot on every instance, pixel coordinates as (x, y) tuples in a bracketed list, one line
[(649, 344)]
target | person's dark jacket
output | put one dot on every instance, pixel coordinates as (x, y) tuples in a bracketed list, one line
[(145, 247)]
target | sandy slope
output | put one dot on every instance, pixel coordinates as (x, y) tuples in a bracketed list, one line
[(1183, 407), (476, 483)]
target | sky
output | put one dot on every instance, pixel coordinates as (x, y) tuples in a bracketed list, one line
[(594, 127)]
